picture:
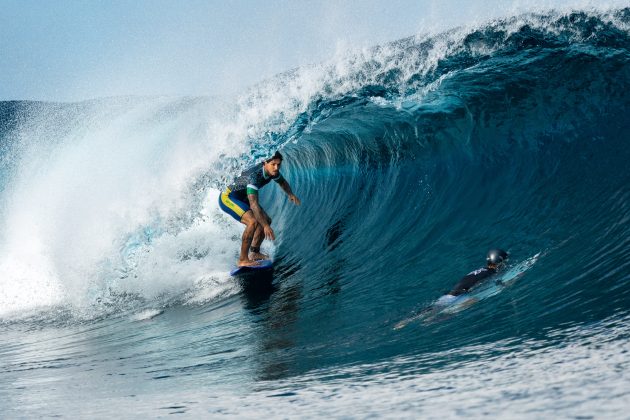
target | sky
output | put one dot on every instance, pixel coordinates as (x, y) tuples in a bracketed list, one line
[(72, 50)]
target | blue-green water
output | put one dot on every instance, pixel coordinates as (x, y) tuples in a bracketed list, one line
[(411, 160)]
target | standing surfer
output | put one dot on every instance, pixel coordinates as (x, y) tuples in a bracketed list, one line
[(240, 200)]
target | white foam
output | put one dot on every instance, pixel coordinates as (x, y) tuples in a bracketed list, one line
[(71, 206), (147, 314)]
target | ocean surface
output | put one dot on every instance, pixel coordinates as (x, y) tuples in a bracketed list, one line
[(411, 160)]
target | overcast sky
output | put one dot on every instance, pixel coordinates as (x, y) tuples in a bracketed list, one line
[(69, 50)]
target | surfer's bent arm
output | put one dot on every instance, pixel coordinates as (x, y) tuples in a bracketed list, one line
[(259, 213), (287, 189)]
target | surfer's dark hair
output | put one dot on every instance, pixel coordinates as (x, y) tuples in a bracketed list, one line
[(276, 155)]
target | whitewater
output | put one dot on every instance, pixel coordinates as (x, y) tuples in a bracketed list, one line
[(411, 159)]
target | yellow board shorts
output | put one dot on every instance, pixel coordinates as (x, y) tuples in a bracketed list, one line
[(232, 205)]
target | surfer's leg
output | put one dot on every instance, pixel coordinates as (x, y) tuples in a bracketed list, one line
[(259, 237), (240, 211), (250, 228)]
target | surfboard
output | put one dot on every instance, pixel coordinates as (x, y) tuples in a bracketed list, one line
[(264, 265)]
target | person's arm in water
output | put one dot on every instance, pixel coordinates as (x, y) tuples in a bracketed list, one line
[(287, 189), (261, 216)]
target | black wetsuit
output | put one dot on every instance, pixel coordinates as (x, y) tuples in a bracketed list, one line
[(471, 279)]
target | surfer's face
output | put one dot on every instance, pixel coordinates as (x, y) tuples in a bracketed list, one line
[(273, 167)]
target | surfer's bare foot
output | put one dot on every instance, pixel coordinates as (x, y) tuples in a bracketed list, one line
[(248, 263), (257, 256)]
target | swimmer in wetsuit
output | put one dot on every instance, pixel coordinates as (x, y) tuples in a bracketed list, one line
[(495, 261), (240, 200)]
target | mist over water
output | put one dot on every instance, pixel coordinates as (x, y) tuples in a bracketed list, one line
[(411, 159)]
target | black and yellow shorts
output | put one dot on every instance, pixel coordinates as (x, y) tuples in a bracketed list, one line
[(232, 205)]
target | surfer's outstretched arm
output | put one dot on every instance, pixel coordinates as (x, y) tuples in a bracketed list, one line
[(287, 189)]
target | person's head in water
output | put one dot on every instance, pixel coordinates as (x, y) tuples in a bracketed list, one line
[(496, 258), (272, 164)]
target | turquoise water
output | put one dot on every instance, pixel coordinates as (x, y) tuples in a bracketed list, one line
[(411, 161)]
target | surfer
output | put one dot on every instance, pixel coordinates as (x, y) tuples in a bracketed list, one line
[(495, 261), (240, 200)]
